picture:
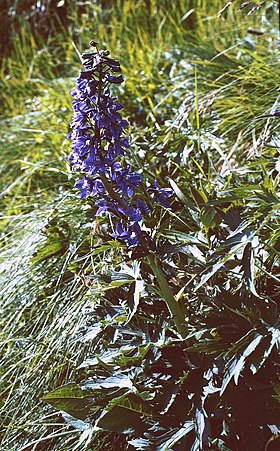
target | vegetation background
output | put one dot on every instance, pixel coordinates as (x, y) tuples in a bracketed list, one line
[(194, 80)]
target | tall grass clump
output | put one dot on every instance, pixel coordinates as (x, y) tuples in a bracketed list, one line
[(163, 338)]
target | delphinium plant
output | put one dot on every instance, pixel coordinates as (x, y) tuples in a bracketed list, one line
[(184, 334), (100, 152)]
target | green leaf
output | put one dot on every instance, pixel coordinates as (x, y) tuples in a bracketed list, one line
[(141, 444), (277, 392), (259, 356), (248, 267), (92, 332), (200, 425), (199, 197), (231, 217), (125, 414), (71, 399), (187, 238), (133, 297), (77, 424), (118, 279), (212, 271), (106, 359), (119, 381), (56, 243), (178, 435), (209, 217), (235, 365), (54, 246), (225, 257), (105, 247), (182, 197), (195, 446)]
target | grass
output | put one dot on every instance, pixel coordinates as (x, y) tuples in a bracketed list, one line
[(45, 296)]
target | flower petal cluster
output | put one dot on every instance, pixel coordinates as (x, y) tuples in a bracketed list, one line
[(160, 195), (99, 142)]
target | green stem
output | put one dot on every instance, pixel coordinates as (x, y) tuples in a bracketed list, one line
[(111, 191), (173, 305)]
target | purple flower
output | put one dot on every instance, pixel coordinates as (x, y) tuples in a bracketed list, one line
[(98, 141), (90, 187), (116, 79), (133, 214), (160, 195), (142, 207), (131, 235), (104, 204), (125, 180)]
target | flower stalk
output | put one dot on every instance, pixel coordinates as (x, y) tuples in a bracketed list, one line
[(174, 307), (99, 145)]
